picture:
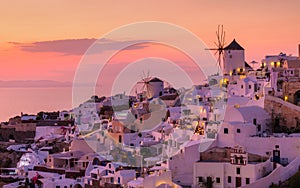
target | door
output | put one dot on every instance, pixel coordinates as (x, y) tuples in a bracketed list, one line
[(238, 182), (120, 138)]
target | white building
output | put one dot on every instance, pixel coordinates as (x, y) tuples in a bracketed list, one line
[(234, 62), (111, 174), (236, 172), (275, 61), (159, 177)]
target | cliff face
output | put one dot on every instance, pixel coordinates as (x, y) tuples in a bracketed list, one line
[(21, 133), (9, 159)]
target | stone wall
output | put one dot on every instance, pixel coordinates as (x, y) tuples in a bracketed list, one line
[(288, 113), (21, 133), (289, 90)]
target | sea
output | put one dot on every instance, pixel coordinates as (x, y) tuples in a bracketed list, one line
[(14, 101)]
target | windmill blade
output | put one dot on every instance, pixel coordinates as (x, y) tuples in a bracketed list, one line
[(217, 45), (216, 52), (143, 87), (144, 75), (211, 48), (148, 74), (223, 39), (220, 43), (141, 77), (149, 90)]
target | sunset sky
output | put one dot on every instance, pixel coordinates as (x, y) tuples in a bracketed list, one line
[(45, 40)]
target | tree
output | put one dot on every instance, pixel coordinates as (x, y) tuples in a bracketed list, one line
[(209, 182)]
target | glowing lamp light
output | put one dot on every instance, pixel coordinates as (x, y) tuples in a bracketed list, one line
[(238, 69), (272, 64), (242, 77), (286, 98), (278, 63)]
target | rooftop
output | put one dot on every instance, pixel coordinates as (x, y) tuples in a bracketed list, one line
[(223, 155), (155, 79), (234, 46)]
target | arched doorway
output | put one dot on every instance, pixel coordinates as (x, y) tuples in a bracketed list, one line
[(77, 186), (297, 97)]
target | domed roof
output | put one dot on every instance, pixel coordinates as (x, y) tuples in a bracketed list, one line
[(244, 114), (233, 115)]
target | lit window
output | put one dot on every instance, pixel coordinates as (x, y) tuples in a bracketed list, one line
[(278, 63)]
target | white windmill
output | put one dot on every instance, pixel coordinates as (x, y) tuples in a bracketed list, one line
[(152, 87)]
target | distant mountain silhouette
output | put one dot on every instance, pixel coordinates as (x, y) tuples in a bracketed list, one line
[(33, 83)]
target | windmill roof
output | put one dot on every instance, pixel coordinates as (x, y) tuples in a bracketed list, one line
[(234, 46), (155, 80)]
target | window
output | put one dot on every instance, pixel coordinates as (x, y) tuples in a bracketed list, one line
[(229, 179), (258, 127), (254, 121), (247, 180), (218, 180), (238, 171), (57, 186), (242, 86), (94, 176), (209, 179), (200, 179), (65, 186), (276, 153), (225, 130), (249, 86), (238, 130)]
